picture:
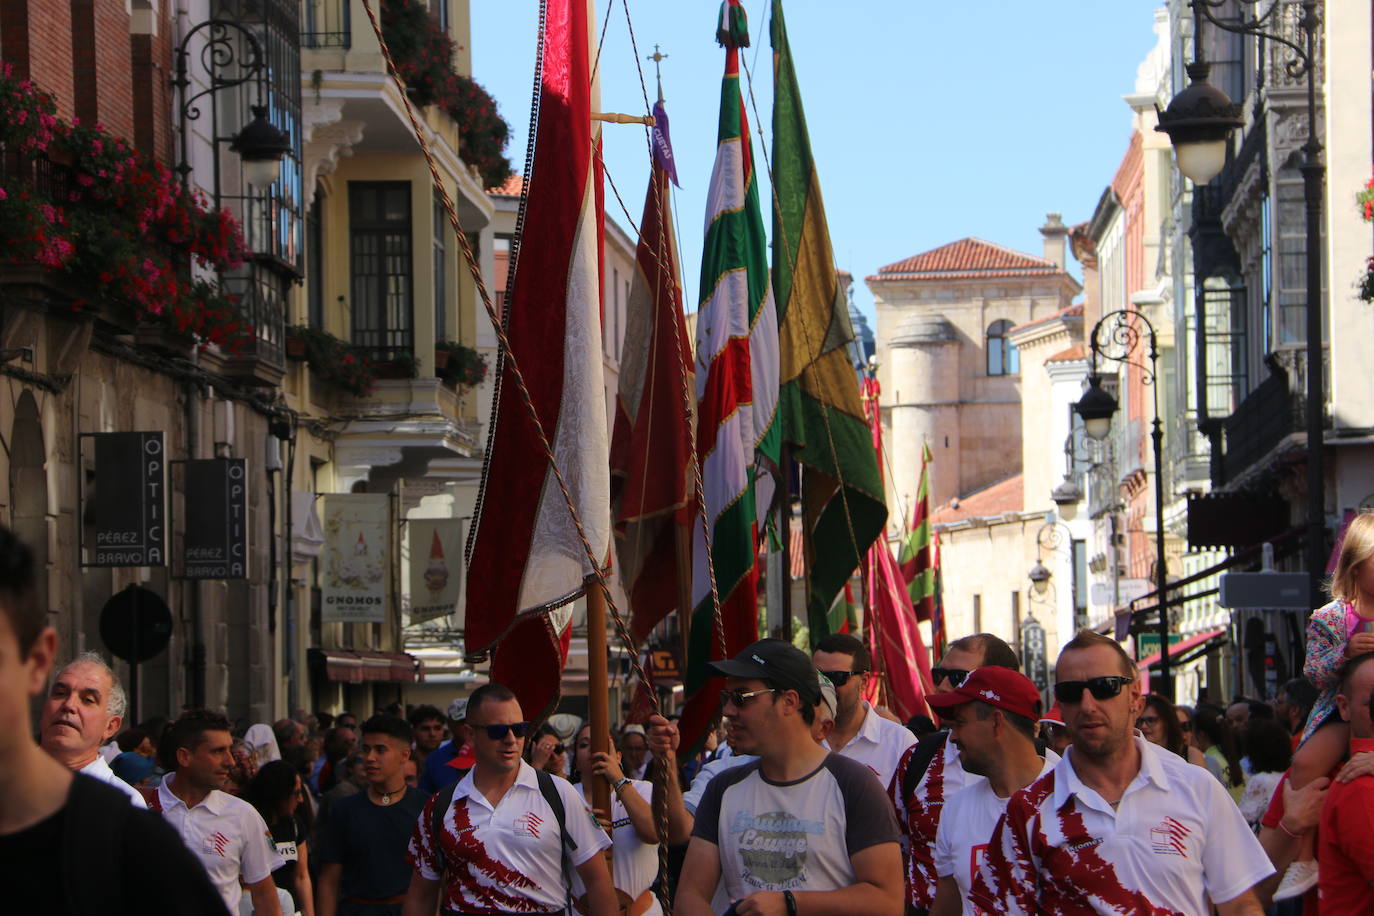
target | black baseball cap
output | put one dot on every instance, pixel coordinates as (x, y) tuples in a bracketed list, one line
[(780, 663)]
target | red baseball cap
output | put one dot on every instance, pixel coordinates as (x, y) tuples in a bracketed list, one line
[(1001, 687), (1054, 717)]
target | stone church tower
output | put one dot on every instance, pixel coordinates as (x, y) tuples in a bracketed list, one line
[(948, 369)]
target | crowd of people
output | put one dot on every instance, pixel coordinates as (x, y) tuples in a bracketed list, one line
[(806, 800)]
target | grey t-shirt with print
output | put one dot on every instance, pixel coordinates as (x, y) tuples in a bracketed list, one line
[(793, 836)]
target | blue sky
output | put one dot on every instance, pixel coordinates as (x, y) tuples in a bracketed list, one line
[(929, 121)]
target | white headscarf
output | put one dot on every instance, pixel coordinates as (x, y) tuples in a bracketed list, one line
[(262, 744)]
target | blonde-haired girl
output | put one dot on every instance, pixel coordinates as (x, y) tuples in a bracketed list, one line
[(1340, 630)]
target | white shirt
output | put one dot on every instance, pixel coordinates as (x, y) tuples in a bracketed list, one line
[(227, 834), (110, 751), (966, 827), (692, 797), (634, 863), (878, 745), (1175, 842), (99, 769), (507, 858), (918, 814)]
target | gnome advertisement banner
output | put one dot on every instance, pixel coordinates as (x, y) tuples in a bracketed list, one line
[(357, 551), (436, 566)]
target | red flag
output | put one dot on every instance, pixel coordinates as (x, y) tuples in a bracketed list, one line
[(651, 449), (526, 562), (894, 638)]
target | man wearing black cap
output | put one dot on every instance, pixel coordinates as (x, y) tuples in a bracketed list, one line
[(800, 829)]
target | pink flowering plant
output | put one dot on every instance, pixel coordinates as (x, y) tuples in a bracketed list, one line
[(423, 53), (1365, 200), (335, 361), (117, 224)]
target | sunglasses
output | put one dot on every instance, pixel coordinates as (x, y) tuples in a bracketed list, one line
[(558, 749), (498, 732), (1151, 721), (738, 697), (840, 678), (956, 676), (1102, 688)]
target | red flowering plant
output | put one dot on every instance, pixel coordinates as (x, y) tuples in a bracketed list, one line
[(117, 224), (335, 361), (1365, 200), (423, 54), (465, 365)]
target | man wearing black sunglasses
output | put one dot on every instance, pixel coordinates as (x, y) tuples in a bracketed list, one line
[(1119, 825), (800, 829), (931, 770), (499, 838), (859, 733)]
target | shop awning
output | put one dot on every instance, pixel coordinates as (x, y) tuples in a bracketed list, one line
[(1182, 651), (357, 667)]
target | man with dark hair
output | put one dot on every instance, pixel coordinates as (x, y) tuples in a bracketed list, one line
[(931, 771), (992, 718), (1344, 855), (346, 720), (69, 843), (289, 733), (362, 844), (801, 829), (447, 764), (227, 833), (1119, 825), (859, 733), (1294, 704), (428, 723), (498, 839)]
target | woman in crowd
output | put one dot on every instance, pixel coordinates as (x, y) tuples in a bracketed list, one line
[(1212, 733), (633, 834), (547, 752), (1270, 749), (1159, 724), (276, 792)]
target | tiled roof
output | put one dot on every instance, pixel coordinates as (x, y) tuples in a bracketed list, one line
[(967, 258), (511, 187), (1068, 311), (1072, 354), (1001, 497)]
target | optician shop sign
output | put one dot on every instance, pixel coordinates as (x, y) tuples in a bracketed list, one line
[(130, 501), (215, 543)]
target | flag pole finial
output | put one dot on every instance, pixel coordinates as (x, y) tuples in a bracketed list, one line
[(658, 57)]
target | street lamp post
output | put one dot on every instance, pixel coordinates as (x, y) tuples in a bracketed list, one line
[(260, 144), (1097, 406), (1199, 122)]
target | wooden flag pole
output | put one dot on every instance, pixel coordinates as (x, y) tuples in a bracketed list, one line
[(598, 689)]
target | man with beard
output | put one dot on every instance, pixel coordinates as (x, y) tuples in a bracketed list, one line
[(800, 829), (1119, 825), (859, 733), (84, 709), (992, 721), (930, 771), (227, 833)]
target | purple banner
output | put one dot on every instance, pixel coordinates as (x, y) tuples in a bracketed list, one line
[(663, 144)]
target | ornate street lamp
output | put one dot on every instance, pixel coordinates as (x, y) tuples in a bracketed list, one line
[(1199, 122), (1097, 406), (260, 144)]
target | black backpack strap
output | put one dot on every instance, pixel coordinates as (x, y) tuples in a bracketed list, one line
[(549, 790), (926, 749), (442, 799)]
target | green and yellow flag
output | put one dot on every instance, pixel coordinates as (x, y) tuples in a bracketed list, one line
[(821, 416)]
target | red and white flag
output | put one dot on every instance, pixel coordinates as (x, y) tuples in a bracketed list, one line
[(526, 562)]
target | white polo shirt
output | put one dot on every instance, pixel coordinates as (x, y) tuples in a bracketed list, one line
[(1174, 843), (227, 834), (966, 827), (507, 858), (879, 745), (100, 769), (713, 768)]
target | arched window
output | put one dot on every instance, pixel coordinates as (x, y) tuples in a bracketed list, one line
[(1003, 359)]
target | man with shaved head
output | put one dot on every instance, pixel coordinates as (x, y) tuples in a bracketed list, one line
[(84, 709)]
